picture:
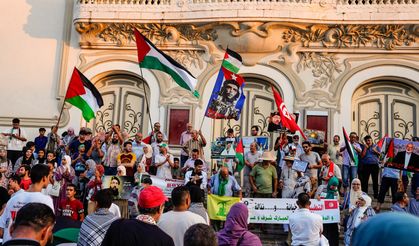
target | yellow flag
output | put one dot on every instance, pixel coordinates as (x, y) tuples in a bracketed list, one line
[(219, 206)]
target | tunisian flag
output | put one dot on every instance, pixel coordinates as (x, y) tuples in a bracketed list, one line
[(286, 119)]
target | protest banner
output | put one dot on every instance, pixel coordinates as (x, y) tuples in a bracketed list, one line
[(223, 148), (401, 154), (167, 185), (219, 206), (262, 143), (277, 211)]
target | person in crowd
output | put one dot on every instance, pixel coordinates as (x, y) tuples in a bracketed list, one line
[(51, 158), (155, 132), (190, 162), (329, 191), (95, 152), (42, 157), (140, 174), (388, 229), (164, 162), (197, 141), (302, 185), (31, 145), (333, 151), (351, 196), (147, 158), (314, 162), (13, 186), (73, 148), (389, 179), (176, 171), (53, 143), (143, 230), (138, 146), (127, 159), (224, 184), (71, 207), (135, 194), (349, 171), (200, 235), (197, 177), (250, 160), (94, 185), (185, 137), (282, 150), (64, 174), (71, 135), (402, 201), (5, 163), (296, 144), (41, 140), (40, 176), (95, 226), (16, 141), (156, 148), (121, 171), (254, 131), (361, 213), (26, 159), (370, 165), (263, 177), (235, 231), (53, 188), (176, 222), (79, 161), (329, 170), (197, 202), (413, 207), (33, 225), (4, 198), (306, 227), (112, 148), (288, 178), (25, 179)]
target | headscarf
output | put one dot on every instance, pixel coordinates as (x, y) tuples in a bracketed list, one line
[(92, 168), (236, 227), (100, 169), (332, 192), (353, 195), (123, 170), (68, 160), (385, 228)]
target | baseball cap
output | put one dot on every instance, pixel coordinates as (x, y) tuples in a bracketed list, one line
[(151, 197), (163, 145)]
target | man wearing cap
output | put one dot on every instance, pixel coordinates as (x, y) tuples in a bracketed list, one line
[(263, 177), (164, 162)]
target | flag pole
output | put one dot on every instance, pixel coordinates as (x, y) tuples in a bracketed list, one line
[(61, 113), (202, 123), (146, 99)]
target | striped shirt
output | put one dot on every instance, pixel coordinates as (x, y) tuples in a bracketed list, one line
[(195, 144), (94, 227)]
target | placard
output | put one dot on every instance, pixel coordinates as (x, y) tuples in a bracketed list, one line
[(262, 143), (120, 185), (300, 166), (223, 148), (398, 151)]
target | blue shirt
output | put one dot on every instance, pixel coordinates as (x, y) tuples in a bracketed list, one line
[(391, 173), (40, 143), (370, 158)]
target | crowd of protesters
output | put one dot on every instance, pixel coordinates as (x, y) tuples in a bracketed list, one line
[(57, 178)]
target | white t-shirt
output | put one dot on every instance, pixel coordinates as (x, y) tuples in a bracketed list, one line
[(15, 203), (114, 209), (305, 227), (14, 143), (163, 171), (175, 224)]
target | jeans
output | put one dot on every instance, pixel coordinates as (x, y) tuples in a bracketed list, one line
[(349, 173)]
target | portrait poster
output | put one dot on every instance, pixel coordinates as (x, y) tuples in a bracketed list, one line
[(121, 186), (275, 123), (315, 137), (300, 166), (262, 143), (223, 148), (401, 154)]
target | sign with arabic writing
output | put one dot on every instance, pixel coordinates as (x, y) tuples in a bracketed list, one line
[(277, 211), (167, 185)]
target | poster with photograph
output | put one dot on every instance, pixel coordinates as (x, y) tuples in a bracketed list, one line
[(315, 137), (262, 143), (223, 148), (300, 166), (401, 154), (121, 186), (275, 124)]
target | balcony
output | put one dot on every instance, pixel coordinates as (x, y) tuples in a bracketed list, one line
[(203, 11)]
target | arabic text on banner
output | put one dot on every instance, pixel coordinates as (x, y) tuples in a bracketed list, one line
[(277, 211), (167, 185)]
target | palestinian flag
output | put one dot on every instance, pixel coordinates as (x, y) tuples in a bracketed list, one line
[(232, 61), (351, 151), (390, 151), (382, 141), (240, 155), (152, 58), (83, 94)]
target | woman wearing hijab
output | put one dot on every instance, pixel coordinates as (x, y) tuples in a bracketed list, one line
[(350, 199), (65, 175), (361, 213), (147, 158), (235, 231)]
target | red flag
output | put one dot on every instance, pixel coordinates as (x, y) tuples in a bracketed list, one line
[(147, 140), (286, 119), (331, 204), (380, 143), (390, 150)]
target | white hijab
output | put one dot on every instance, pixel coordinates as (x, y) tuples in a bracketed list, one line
[(354, 195), (68, 160)]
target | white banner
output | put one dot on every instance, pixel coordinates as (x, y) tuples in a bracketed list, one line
[(277, 211), (167, 185)]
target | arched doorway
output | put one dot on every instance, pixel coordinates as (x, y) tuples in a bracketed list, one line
[(124, 104), (385, 106)]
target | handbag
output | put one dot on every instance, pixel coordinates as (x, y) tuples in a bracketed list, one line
[(55, 189), (323, 241)]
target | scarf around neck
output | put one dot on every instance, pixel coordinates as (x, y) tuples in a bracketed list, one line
[(222, 185)]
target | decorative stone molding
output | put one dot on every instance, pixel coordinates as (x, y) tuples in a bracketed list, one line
[(324, 66), (387, 36), (188, 58)]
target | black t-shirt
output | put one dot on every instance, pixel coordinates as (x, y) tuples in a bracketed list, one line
[(74, 146), (135, 232)]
